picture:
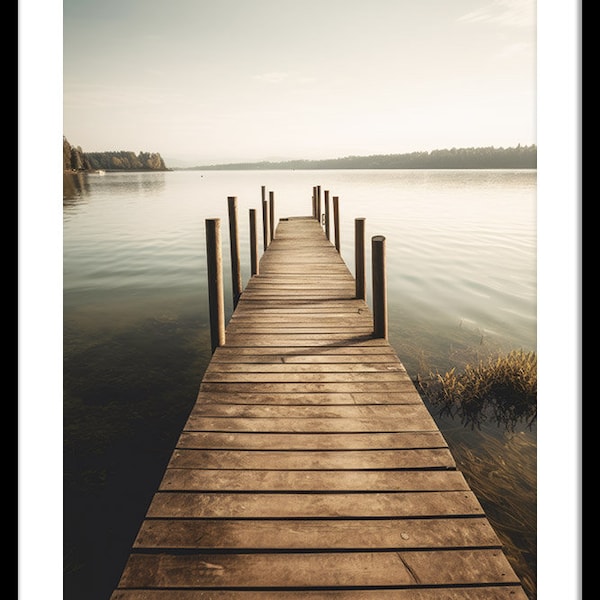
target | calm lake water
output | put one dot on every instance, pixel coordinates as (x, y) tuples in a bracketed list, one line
[(461, 266)]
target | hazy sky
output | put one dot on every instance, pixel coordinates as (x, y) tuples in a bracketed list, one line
[(231, 80)]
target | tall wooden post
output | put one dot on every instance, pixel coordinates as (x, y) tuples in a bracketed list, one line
[(236, 273), (326, 199), (271, 215), (336, 221), (253, 244), (314, 202), (380, 320), (359, 257), (319, 203), (265, 216), (216, 303)]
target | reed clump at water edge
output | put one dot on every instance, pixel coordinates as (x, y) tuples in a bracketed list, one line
[(503, 389)]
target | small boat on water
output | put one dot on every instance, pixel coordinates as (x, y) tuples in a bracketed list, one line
[(98, 172)]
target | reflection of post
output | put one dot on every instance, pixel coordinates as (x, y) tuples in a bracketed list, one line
[(271, 215), (380, 324), (326, 192), (265, 215), (236, 273), (253, 244), (336, 221), (359, 257), (215, 283)]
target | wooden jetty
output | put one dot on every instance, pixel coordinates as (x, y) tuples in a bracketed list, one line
[(309, 466)]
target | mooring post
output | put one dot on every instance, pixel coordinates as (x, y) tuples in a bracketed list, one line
[(253, 244), (380, 321), (336, 221), (319, 203), (236, 273), (265, 215), (271, 215), (359, 257), (216, 303), (314, 202), (326, 200)]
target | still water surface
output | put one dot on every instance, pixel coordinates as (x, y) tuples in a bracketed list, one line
[(461, 266)]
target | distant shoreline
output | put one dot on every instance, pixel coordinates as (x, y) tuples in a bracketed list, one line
[(245, 168), (519, 157), (94, 171)]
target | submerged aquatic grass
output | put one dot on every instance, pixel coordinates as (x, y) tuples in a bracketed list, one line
[(502, 388)]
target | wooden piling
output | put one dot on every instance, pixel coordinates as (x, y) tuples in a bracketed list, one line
[(336, 221), (236, 273), (265, 216), (326, 199), (359, 257), (216, 303), (271, 215), (380, 321), (319, 203), (253, 244)]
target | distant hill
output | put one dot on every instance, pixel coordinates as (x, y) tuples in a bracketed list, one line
[(75, 159), (520, 157)]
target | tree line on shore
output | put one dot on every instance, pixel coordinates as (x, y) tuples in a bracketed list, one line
[(519, 157), (76, 160)]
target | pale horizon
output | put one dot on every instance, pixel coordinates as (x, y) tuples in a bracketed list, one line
[(275, 80)]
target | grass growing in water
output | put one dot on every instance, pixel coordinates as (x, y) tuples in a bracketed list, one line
[(503, 388)]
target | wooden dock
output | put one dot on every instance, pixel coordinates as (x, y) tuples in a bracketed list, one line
[(309, 466)]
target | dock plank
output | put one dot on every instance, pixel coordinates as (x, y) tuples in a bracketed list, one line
[(320, 569), (346, 505)]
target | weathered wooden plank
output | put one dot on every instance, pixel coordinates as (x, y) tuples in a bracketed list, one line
[(316, 534), (315, 360), (295, 337), (295, 274), (313, 570), (351, 460), (362, 350), (279, 308), (502, 592), (379, 411), (189, 480), (300, 281), (314, 340), (300, 321), (304, 376), (404, 395), (221, 440), (307, 388), (418, 422), (239, 505), (281, 316), (298, 330), (287, 366)]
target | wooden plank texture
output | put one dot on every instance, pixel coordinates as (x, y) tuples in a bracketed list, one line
[(309, 467)]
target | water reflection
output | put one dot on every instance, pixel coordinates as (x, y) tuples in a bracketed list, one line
[(130, 184), (77, 184), (74, 184)]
